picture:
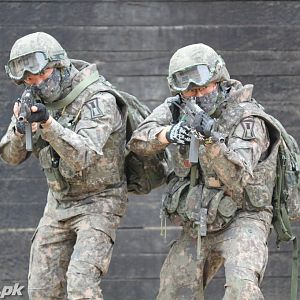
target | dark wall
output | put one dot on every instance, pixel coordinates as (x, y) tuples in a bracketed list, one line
[(132, 42)]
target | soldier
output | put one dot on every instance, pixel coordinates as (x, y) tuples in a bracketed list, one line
[(79, 139), (222, 197)]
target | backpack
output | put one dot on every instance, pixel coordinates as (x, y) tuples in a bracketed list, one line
[(286, 198), (143, 173)]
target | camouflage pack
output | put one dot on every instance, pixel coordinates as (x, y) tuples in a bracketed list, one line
[(286, 199), (143, 173)]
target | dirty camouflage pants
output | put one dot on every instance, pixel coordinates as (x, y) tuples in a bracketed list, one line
[(242, 248), (68, 259)]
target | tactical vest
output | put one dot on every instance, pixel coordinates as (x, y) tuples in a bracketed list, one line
[(221, 209), (142, 173), (66, 184), (259, 189)]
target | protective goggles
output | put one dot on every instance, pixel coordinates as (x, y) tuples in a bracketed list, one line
[(32, 62), (199, 75)]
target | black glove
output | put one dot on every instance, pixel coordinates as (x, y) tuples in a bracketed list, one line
[(203, 123), (41, 115), (179, 134)]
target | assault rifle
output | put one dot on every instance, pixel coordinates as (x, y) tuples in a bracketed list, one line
[(190, 110), (27, 100)]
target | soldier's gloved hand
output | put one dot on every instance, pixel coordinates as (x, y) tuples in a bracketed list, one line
[(179, 134), (203, 123), (39, 113)]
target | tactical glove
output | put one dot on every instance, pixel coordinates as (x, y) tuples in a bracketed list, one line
[(179, 134), (203, 123), (41, 115)]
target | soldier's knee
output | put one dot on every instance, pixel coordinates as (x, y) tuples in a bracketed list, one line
[(242, 289), (42, 286), (49, 293), (83, 281)]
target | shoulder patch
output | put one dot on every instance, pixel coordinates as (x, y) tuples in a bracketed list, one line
[(248, 125), (94, 108)]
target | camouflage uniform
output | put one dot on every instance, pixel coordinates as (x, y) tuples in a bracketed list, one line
[(235, 184), (72, 245)]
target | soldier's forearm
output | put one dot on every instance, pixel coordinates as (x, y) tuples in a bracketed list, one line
[(73, 148), (12, 148), (228, 165), (161, 136), (146, 141), (146, 148)]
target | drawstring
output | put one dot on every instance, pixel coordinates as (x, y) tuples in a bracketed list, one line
[(163, 224), (77, 116), (63, 111), (198, 241)]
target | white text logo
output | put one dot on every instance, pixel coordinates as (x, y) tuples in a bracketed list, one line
[(9, 290)]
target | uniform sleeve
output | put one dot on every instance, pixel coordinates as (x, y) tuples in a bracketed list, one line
[(144, 140), (234, 163), (100, 117), (13, 147)]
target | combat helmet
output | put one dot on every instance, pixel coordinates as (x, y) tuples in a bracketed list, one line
[(33, 53), (196, 64)]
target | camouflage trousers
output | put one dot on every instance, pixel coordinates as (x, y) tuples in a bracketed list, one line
[(241, 248), (68, 258)]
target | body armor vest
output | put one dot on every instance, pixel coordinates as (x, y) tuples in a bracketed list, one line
[(222, 206), (63, 181)]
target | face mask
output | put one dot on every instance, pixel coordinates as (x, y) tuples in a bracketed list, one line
[(212, 103), (207, 102), (50, 89)]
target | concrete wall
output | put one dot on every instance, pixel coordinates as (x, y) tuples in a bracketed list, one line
[(132, 42)]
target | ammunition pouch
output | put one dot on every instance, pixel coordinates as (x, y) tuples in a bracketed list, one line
[(221, 208), (181, 203), (55, 180)]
